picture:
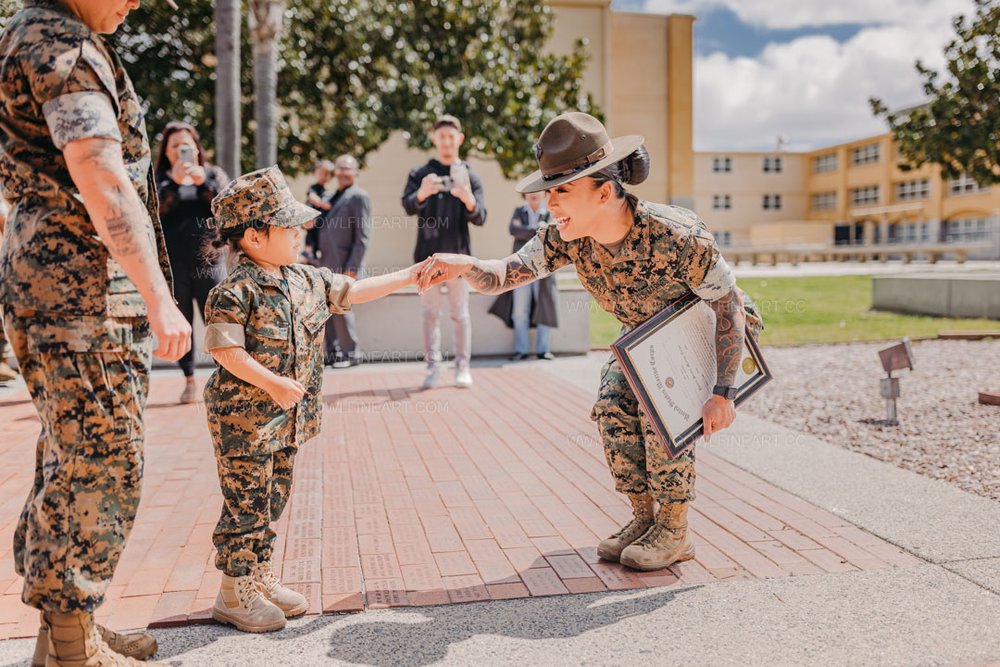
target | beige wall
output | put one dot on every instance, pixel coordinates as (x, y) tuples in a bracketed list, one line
[(746, 185)]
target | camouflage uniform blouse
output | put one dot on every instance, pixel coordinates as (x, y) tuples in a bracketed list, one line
[(281, 326), (667, 253), (60, 82)]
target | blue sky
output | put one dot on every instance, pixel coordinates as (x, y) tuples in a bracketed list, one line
[(805, 69)]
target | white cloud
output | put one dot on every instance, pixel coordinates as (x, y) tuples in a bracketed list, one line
[(813, 89)]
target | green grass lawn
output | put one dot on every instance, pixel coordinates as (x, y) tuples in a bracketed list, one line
[(826, 309)]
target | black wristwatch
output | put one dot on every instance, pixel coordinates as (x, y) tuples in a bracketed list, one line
[(728, 393)]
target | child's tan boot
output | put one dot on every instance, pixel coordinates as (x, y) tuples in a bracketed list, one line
[(642, 518), (291, 603), (665, 543), (242, 604), (74, 641), (140, 645)]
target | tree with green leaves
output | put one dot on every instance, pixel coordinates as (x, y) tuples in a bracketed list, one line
[(959, 127), (351, 72)]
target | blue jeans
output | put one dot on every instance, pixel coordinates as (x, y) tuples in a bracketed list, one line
[(522, 319)]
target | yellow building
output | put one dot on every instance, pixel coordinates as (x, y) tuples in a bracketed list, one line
[(641, 77), (850, 193)]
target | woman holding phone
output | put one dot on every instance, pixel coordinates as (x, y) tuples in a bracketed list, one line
[(186, 184)]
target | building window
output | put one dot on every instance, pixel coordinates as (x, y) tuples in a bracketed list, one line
[(964, 185), (911, 190), (865, 196), (867, 154), (772, 165), (916, 232), (824, 201), (723, 239), (771, 203), (722, 202), (722, 165), (826, 162), (969, 229)]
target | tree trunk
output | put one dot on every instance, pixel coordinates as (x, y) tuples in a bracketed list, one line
[(228, 95), (266, 18)]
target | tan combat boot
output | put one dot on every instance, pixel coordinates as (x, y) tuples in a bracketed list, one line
[(292, 604), (642, 512), (140, 645), (666, 542), (242, 604), (6, 372), (74, 641)]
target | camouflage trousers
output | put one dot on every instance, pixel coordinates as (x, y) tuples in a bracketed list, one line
[(89, 379), (635, 454), (255, 491)]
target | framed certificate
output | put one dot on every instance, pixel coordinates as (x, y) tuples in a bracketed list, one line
[(669, 361)]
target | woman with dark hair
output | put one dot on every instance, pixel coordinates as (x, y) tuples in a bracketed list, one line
[(635, 258), (186, 185)]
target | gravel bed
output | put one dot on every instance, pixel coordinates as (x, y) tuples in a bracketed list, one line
[(832, 392)]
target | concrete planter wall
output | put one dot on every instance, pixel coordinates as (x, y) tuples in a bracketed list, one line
[(970, 295)]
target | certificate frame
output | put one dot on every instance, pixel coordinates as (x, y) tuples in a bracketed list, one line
[(676, 443)]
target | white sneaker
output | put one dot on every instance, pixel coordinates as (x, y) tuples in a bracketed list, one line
[(432, 379), (463, 377)]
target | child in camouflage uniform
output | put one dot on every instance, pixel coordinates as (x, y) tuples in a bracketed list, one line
[(265, 325)]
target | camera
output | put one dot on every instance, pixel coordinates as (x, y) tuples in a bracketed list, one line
[(447, 183)]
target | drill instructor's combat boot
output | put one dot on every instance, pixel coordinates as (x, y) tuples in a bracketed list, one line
[(140, 645), (665, 543), (75, 641), (241, 603), (291, 603), (642, 518)]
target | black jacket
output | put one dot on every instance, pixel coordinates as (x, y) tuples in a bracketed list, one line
[(544, 310), (184, 215), (442, 219)]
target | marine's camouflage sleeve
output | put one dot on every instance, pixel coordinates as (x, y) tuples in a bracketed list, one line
[(225, 320), (545, 252), (703, 268), (338, 289)]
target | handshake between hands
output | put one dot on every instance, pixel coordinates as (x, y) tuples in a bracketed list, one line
[(438, 268)]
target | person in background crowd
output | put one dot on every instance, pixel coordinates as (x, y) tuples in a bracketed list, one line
[(343, 233), (6, 372), (185, 185), (446, 196), (319, 198), (535, 304)]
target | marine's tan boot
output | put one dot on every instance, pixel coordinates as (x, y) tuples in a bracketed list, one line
[(666, 542), (241, 603), (140, 645), (74, 641), (642, 518), (292, 604), (6, 372)]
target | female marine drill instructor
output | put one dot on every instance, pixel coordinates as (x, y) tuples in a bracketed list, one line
[(84, 280), (635, 258)]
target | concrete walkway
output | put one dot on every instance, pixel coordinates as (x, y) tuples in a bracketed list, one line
[(913, 579)]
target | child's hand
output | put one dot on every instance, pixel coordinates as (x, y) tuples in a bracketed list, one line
[(286, 392)]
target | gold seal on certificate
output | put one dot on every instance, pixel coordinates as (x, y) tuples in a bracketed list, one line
[(670, 363)]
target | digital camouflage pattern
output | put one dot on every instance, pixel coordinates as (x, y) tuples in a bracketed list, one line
[(89, 379), (258, 198), (60, 81), (255, 491), (281, 327), (667, 253)]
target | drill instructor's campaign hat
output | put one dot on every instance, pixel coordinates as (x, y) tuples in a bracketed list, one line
[(574, 145)]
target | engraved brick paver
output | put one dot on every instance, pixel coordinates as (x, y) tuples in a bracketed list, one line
[(425, 498)]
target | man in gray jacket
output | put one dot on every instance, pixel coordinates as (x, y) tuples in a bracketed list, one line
[(344, 231)]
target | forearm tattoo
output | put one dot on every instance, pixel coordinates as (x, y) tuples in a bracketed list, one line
[(496, 276), (124, 214), (730, 325)]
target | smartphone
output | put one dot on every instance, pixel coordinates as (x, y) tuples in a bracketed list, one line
[(185, 153), (460, 173)]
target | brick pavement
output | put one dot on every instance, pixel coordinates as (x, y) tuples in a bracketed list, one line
[(425, 498)]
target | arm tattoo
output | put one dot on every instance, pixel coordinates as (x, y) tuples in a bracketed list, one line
[(730, 325), (496, 276)]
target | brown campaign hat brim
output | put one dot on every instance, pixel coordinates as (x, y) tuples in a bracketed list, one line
[(623, 147)]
